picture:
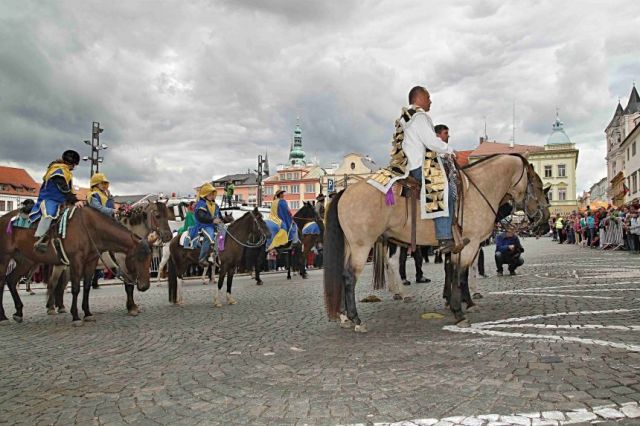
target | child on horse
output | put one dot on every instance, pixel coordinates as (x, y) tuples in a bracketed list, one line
[(100, 198), (55, 192), (207, 215)]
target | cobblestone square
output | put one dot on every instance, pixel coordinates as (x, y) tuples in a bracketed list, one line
[(557, 344)]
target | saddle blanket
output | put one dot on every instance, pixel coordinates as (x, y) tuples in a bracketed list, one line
[(188, 243), (311, 228)]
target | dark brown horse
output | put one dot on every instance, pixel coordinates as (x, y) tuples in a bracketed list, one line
[(307, 214), (88, 233), (143, 219), (239, 234)]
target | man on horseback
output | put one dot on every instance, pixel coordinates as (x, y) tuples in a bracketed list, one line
[(56, 190), (207, 215), (100, 198)]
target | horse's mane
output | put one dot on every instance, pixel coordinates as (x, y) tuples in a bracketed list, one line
[(305, 207), (492, 156)]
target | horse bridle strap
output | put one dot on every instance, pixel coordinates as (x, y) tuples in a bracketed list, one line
[(247, 244)]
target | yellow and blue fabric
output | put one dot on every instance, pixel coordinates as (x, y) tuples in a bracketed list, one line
[(205, 212), (280, 223), (101, 201), (311, 228), (50, 198)]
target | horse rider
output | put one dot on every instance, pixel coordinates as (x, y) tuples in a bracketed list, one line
[(320, 208), (419, 139), (55, 191), (281, 216), (207, 215), (100, 198)]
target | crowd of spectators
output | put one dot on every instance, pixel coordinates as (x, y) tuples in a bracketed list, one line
[(606, 228)]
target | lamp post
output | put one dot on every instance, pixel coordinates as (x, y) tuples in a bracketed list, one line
[(261, 162), (96, 147)]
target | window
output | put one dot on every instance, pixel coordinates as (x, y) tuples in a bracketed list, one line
[(634, 183), (562, 194), (1, 206), (284, 188), (9, 206), (548, 171), (309, 188), (268, 190), (613, 168), (289, 176), (295, 189), (633, 149), (550, 195), (295, 205), (353, 166), (562, 170)]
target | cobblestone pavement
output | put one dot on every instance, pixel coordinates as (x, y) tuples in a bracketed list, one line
[(559, 343)]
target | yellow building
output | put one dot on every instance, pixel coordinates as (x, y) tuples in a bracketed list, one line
[(556, 165), (353, 168)]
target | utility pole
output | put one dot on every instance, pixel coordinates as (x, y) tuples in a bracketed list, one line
[(96, 147)]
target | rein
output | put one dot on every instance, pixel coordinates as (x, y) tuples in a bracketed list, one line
[(95, 247), (247, 244)]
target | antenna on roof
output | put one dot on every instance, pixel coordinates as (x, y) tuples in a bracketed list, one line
[(513, 136)]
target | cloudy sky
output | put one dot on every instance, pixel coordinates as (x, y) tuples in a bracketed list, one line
[(190, 90)]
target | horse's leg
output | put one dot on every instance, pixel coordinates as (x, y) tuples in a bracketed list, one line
[(302, 263), (355, 265), (58, 295), (448, 274), (455, 300), (75, 290), (230, 299), (52, 286), (258, 264), (132, 308), (216, 294), (86, 289), (4, 261), (20, 270), (289, 253)]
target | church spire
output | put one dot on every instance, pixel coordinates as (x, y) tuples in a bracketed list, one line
[(634, 101), (297, 157)]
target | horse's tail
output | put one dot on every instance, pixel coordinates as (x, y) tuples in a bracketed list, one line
[(379, 264), (334, 260), (172, 277)]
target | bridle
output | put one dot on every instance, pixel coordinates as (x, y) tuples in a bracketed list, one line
[(248, 243)]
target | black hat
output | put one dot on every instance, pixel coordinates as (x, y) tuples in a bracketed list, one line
[(320, 197), (71, 157)]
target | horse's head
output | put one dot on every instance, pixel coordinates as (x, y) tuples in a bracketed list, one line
[(259, 227), (536, 203), (138, 262), (228, 218), (157, 220)]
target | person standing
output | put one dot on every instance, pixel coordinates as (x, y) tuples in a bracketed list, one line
[(418, 259), (229, 190)]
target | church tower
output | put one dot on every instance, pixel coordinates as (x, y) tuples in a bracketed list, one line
[(296, 154)]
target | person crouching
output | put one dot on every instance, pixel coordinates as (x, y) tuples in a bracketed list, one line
[(508, 251)]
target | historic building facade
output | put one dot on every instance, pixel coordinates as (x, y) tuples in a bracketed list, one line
[(353, 168), (16, 185), (620, 137), (556, 165)]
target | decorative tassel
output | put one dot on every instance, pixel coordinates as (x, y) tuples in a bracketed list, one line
[(389, 198), (10, 228)]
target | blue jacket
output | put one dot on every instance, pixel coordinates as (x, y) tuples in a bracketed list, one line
[(284, 214), (503, 242), (54, 192), (204, 213), (591, 222)]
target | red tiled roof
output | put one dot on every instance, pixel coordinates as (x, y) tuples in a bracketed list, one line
[(462, 157), (16, 181), (490, 148)]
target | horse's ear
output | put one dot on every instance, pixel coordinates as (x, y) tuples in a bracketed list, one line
[(546, 190)]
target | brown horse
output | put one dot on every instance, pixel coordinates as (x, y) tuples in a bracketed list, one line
[(239, 235), (307, 214), (144, 219), (88, 233), (359, 215)]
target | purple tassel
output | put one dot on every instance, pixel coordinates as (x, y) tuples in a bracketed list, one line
[(221, 241), (389, 199), (10, 228)]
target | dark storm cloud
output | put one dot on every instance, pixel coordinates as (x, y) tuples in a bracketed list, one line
[(186, 91)]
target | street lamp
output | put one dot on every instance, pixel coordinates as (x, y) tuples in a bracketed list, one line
[(96, 147)]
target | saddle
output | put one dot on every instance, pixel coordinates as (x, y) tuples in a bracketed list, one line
[(410, 188)]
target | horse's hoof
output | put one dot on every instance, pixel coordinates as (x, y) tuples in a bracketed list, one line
[(31, 293), (345, 322), (397, 297), (17, 318), (51, 311), (288, 278), (217, 305), (231, 300), (89, 318), (463, 323), (305, 276), (477, 296), (473, 308), (259, 282), (362, 328), (407, 299), (77, 323), (133, 312)]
